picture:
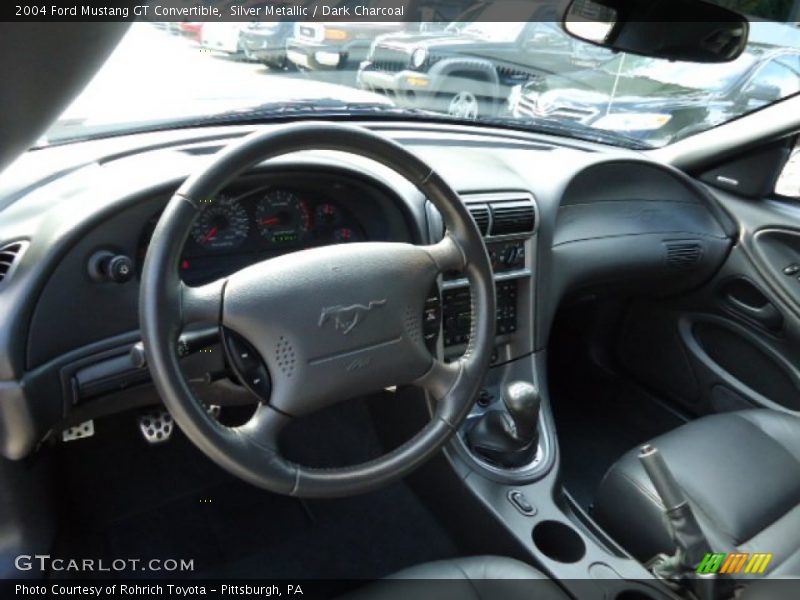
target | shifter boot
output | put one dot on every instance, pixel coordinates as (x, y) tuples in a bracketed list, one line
[(494, 438)]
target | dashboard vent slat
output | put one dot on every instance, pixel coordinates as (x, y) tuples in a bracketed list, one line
[(515, 216), (683, 255), (480, 214), (9, 255)]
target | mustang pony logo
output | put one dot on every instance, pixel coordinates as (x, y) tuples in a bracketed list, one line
[(345, 318)]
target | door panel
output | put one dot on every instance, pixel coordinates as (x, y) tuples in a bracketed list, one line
[(735, 342)]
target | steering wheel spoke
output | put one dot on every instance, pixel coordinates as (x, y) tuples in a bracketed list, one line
[(265, 426), (440, 379), (202, 303), (448, 255)]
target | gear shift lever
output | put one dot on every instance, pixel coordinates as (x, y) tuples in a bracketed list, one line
[(510, 437), (522, 403)]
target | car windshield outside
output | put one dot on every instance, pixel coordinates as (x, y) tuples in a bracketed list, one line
[(459, 66)]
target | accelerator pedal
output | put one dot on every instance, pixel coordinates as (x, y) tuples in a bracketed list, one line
[(157, 426)]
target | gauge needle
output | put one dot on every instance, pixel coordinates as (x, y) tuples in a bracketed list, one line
[(212, 233), (271, 221)]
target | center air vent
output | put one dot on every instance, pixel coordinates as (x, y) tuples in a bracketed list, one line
[(9, 255), (512, 216), (683, 255), (480, 214)]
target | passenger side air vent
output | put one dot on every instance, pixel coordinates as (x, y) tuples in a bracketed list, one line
[(512, 216), (9, 255), (480, 214), (683, 255)]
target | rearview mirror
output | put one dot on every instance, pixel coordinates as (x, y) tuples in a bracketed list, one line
[(690, 30)]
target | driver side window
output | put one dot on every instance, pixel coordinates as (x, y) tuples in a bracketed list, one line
[(789, 181)]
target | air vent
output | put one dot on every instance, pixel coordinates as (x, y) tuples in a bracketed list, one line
[(683, 255), (9, 255), (480, 214), (514, 216)]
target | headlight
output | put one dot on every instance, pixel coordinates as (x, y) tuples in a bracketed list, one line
[(337, 35), (418, 57), (632, 121)]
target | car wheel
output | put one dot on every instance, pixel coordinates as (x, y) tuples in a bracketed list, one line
[(464, 105), (279, 64)]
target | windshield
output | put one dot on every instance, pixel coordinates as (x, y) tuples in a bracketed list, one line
[(708, 77), (460, 66)]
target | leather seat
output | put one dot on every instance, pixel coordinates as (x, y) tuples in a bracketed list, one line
[(741, 473), (473, 578)]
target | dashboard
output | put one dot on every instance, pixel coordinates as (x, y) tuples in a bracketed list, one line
[(558, 217)]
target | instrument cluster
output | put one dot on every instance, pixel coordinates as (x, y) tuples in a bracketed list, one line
[(276, 217), (234, 230)]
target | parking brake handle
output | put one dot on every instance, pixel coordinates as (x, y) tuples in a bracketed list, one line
[(690, 541)]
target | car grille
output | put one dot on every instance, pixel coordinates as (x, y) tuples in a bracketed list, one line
[(533, 108), (389, 59)]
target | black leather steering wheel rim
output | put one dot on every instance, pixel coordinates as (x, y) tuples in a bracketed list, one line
[(167, 305)]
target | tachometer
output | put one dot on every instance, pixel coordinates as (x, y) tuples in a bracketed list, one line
[(221, 224), (282, 217)]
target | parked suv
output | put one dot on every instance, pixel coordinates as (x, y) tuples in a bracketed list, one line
[(645, 98), (469, 69), (343, 45), (265, 42), (334, 45)]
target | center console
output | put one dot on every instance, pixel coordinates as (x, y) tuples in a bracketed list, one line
[(508, 222), (506, 453)]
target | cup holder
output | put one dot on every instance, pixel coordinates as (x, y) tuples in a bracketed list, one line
[(558, 542)]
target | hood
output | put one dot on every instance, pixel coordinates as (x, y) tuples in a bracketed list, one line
[(597, 86), (442, 40)]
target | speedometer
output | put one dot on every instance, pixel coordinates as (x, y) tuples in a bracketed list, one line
[(221, 224), (282, 217)]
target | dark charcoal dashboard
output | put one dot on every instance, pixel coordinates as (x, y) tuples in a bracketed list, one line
[(557, 217)]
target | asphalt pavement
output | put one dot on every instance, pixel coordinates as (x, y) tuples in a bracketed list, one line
[(156, 73)]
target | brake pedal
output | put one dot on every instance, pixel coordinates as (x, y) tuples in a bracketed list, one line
[(156, 425), (78, 432)]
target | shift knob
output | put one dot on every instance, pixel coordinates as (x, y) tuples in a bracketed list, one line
[(522, 403)]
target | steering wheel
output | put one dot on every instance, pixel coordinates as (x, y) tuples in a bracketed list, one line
[(326, 324)]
